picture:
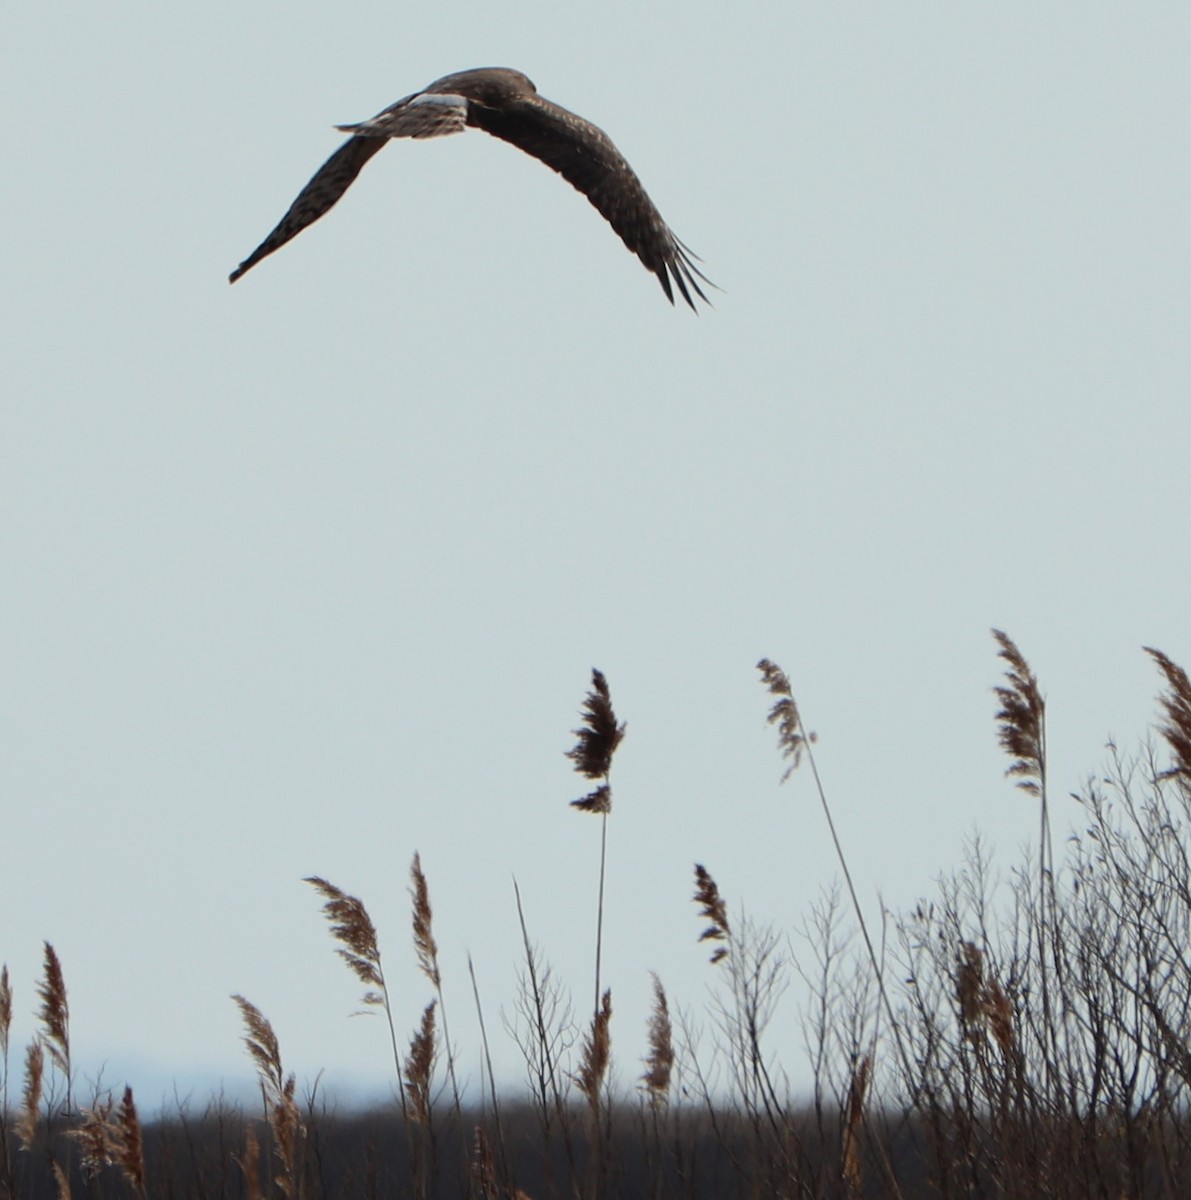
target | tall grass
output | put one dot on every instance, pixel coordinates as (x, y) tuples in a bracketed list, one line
[(1018, 1035)]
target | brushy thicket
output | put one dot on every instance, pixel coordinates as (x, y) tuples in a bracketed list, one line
[(1028, 1038)]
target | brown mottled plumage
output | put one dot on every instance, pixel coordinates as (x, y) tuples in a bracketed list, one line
[(505, 104)]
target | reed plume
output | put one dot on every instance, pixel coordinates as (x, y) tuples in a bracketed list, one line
[(597, 1049), (792, 739), (419, 1067), (93, 1137), (425, 947), (5, 1016), (1000, 1016), (1176, 705), (278, 1091), (483, 1166), (105, 1139), (352, 927), (55, 1015), (426, 950), (262, 1046), (707, 895), (969, 987), (1022, 734), (1021, 718), (26, 1126), (61, 1182), (596, 742), (250, 1166), (128, 1143), (857, 1093), (660, 1062)]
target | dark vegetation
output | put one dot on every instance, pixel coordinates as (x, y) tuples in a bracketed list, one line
[(1022, 1038)]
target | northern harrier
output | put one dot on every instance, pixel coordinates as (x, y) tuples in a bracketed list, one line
[(505, 104)]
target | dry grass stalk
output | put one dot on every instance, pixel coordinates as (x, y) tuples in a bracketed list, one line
[(278, 1090), (128, 1144), (597, 1050), (419, 1067), (1000, 1016), (5, 1012), (483, 1166), (250, 1166), (26, 1126), (1176, 705), (93, 1137), (707, 894), (104, 1139), (857, 1093), (791, 738), (352, 927), (55, 1012), (61, 1182), (660, 1063), (1022, 718), (286, 1123), (969, 987), (424, 944), (597, 740), (983, 1005), (263, 1047)]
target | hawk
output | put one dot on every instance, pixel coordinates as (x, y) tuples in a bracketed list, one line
[(505, 104)]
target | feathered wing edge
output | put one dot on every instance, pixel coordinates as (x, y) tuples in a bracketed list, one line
[(682, 267), (589, 161), (320, 195)]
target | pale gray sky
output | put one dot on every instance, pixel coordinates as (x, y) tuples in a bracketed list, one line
[(307, 574)]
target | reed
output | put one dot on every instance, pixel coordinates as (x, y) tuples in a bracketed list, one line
[(596, 741), (55, 1016), (1040, 1015), (352, 928), (277, 1091)]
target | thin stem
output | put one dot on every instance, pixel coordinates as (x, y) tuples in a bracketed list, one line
[(600, 909)]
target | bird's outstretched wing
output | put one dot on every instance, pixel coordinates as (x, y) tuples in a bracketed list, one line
[(585, 156), (421, 115), (332, 179)]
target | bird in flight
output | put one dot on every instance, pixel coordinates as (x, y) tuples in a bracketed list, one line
[(505, 104)]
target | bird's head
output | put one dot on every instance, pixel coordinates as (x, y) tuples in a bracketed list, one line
[(495, 87)]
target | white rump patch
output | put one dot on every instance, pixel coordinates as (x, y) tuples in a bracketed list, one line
[(424, 116)]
